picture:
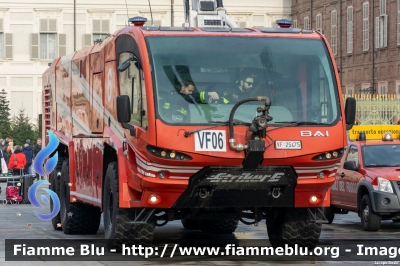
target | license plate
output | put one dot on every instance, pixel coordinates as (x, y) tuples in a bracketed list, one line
[(210, 140), (288, 144)]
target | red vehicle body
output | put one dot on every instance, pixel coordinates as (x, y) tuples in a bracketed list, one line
[(367, 180), (121, 154)]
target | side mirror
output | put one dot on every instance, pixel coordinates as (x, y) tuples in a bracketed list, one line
[(122, 67), (124, 113), (350, 112), (350, 165)]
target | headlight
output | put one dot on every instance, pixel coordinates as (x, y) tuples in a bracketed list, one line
[(384, 185)]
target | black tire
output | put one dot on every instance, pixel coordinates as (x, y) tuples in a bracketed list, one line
[(370, 220), (225, 226), (292, 226), (76, 218), (55, 186), (118, 227), (190, 224), (329, 213)]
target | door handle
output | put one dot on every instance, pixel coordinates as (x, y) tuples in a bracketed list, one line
[(342, 175)]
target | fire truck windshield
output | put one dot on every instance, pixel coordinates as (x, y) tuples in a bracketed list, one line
[(199, 79)]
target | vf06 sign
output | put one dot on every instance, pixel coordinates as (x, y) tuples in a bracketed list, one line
[(210, 140)]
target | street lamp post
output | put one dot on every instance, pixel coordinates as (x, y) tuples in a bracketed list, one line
[(74, 25)]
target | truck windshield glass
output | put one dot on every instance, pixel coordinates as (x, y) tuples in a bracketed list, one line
[(199, 79), (381, 155)]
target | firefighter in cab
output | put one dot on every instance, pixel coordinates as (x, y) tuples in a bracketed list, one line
[(244, 88), (175, 105)]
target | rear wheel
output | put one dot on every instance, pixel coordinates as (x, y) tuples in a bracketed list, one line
[(370, 220), (225, 226), (76, 218), (292, 226), (55, 177), (118, 222)]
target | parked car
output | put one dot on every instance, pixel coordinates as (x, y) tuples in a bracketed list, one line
[(368, 178)]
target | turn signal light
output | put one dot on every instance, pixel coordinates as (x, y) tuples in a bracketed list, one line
[(329, 155), (168, 154)]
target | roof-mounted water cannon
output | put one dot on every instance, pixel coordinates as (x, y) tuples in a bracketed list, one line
[(206, 13), (284, 23), (138, 21)]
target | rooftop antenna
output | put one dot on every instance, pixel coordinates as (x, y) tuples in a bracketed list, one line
[(127, 15), (151, 14)]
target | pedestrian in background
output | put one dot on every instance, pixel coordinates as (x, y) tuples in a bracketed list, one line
[(29, 158), (36, 149), (2, 144), (17, 161), (7, 152)]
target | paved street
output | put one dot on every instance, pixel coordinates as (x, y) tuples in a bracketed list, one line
[(19, 222)]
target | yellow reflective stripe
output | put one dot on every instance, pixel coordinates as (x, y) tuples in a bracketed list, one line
[(166, 106), (182, 111), (225, 100), (202, 96)]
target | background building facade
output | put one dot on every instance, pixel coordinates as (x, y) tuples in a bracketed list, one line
[(33, 33), (364, 37)]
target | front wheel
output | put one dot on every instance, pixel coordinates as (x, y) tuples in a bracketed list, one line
[(119, 228), (292, 226), (329, 213), (370, 220)]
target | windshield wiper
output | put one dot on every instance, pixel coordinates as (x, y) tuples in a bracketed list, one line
[(235, 122), (380, 165), (300, 123), (216, 124)]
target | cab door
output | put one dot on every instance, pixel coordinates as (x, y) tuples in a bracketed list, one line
[(336, 191), (350, 178)]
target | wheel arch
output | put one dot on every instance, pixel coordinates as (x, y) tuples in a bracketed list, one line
[(109, 156), (364, 188)]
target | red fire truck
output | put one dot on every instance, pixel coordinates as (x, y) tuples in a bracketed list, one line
[(159, 124)]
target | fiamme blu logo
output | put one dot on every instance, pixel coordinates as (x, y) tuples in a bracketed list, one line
[(44, 170)]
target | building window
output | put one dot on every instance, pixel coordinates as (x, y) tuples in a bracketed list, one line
[(382, 87), (350, 89), (365, 88), (350, 29), (6, 41), (381, 26), (48, 37), (366, 26), (334, 31), (295, 23), (318, 20), (48, 45), (1, 45), (101, 29), (397, 86), (306, 23)]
